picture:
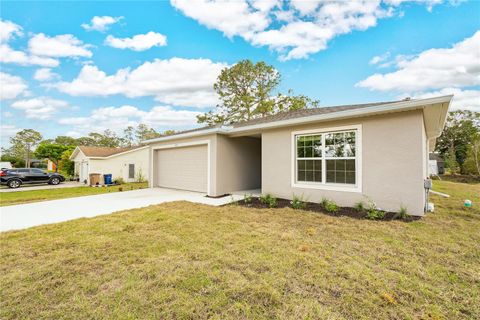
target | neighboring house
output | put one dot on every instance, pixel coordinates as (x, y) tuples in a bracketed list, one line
[(437, 164), (130, 164), (376, 151)]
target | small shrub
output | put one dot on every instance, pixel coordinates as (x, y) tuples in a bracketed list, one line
[(119, 180), (402, 213), (140, 176), (374, 214), (329, 205), (247, 198), (298, 203), (268, 200), (360, 206)]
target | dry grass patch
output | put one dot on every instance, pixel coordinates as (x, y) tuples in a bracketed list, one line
[(182, 261)]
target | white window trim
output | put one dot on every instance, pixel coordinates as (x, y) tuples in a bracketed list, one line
[(181, 145), (323, 185)]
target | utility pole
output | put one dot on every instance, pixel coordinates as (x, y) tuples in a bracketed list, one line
[(28, 155)]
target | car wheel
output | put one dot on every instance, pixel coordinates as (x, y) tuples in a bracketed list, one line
[(14, 184), (55, 181)]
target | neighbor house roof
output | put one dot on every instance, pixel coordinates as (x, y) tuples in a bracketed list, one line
[(434, 109), (101, 152)]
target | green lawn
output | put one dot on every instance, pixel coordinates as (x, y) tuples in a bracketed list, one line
[(11, 198), (189, 261)]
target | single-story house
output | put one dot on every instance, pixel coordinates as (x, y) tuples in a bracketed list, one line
[(437, 164), (350, 153), (130, 164)]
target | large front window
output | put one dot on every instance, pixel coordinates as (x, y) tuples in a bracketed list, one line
[(327, 157)]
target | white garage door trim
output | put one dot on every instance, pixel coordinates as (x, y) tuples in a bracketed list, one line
[(181, 145)]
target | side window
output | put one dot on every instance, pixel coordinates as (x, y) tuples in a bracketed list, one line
[(131, 171), (23, 170), (37, 171)]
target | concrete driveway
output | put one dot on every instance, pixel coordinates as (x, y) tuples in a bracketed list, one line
[(43, 186), (34, 214)]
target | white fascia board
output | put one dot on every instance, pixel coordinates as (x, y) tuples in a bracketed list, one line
[(184, 135), (384, 108), (75, 153), (117, 154)]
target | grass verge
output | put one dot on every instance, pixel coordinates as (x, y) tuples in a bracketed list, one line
[(12, 198), (182, 261)]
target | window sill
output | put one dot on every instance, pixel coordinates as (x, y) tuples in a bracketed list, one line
[(330, 187)]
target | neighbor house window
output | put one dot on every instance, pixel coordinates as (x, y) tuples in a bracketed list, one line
[(326, 158), (131, 171)]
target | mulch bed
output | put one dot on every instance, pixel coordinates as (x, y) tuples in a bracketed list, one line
[(316, 207)]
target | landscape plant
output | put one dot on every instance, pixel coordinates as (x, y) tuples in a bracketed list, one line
[(329, 205), (268, 200), (298, 202)]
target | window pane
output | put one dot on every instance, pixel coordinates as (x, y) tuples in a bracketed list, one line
[(308, 175), (308, 152), (300, 141), (317, 151), (317, 165), (339, 144), (317, 176), (309, 165), (331, 176), (350, 165), (339, 176), (350, 177), (301, 164), (301, 152), (340, 165), (350, 144), (309, 141), (330, 165), (301, 175)]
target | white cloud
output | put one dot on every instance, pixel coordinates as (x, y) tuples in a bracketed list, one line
[(8, 55), (8, 29), (139, 42), (41, 108), (118, 118), (11, 86), (65, 45), (100, 23), (463, 99), (457, 66), (295, 29), (6, 132), (176, 81), (45, 74), (379, 59)]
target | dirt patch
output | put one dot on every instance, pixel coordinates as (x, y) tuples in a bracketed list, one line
[(317, 207)]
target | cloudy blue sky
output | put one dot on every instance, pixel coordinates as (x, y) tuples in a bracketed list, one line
[(72, 67)]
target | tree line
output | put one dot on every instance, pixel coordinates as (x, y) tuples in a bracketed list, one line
[(29, 144)]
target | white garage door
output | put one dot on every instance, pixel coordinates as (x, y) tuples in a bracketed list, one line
[(183, 168)]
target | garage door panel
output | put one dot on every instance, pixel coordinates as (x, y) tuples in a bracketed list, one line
[(183, 168)]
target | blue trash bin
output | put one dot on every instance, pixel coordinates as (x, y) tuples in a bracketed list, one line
[(107, 178)]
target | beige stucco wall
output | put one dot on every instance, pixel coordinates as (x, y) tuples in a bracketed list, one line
[(118, 165), (238, 164), (393, 162)]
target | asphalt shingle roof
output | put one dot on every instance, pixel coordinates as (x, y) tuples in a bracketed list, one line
[(103, 151)]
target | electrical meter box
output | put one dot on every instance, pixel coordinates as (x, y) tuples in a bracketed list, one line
[(427, 184)]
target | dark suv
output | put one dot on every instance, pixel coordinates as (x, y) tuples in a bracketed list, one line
[(14, 178)]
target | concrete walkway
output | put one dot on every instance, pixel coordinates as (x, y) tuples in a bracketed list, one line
[(43, 186), (34, 214)]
